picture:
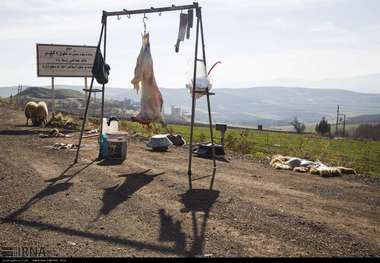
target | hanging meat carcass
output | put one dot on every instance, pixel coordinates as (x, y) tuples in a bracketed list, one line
[(145, 83)]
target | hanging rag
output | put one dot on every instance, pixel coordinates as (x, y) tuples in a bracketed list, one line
[(182, 30), (189, 22), (145, 83), (100, 69)]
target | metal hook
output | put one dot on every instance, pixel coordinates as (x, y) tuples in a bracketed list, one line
[(118, 17), (144, 23), (160, 13), (126, 11)]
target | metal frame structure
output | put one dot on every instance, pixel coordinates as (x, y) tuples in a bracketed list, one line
[(199, 29)]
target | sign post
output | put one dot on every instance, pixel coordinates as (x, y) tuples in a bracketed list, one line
[(52, 98), (85, 85), (64, 61)]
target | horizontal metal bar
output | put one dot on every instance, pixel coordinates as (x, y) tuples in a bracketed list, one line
[(93, 90), (150, 10), (200, 60), (204, 92)]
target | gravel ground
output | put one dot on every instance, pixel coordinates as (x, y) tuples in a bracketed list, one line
[(142, 208)]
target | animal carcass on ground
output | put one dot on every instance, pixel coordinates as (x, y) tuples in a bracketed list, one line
[(303, 166), (30, 108)]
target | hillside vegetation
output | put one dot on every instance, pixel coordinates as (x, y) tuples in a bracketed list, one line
[(364, 119), (44, 93)]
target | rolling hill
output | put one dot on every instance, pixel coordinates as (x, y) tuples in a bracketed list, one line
[(270, 106), (364, 119), (44, 93)]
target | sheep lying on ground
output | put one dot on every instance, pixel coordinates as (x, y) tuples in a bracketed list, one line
[(300, 165), (301, 169), (325, 171), (345, 170), (30, 108), (40, 114)]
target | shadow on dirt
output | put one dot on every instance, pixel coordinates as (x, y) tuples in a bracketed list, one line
[(105, 162), (51, 189), (93, 236), (195, 201), (31, 130), (171, 231), (115, 195), (217, 158), (19, 132), (198, 201)]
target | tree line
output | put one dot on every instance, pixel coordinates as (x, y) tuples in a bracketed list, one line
[(323, 128)]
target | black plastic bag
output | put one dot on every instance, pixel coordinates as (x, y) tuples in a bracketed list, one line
[(100, 70)]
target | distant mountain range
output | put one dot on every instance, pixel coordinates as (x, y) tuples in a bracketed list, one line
[(361, 119), (363, 84), (270, 106)]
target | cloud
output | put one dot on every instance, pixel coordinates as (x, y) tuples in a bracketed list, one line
[(256, 40)]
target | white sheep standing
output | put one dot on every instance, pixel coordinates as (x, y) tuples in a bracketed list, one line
[(40, 114), (30, 108)]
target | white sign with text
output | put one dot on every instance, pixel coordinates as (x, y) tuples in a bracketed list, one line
[(65, 60)]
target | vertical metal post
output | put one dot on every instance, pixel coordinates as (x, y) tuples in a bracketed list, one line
[(337, 121), (193, 102), (344, 125), (84, 119), (88, 101), (103, 86), (52, 98), (208, 105), (85, 86)]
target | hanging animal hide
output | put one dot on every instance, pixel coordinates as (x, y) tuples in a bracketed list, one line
[(145, 83)]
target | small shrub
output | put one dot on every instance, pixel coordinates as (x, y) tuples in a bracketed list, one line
[(323, 127), (298, 126)]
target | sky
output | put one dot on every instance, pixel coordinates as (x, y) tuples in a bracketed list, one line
[(259, 42)]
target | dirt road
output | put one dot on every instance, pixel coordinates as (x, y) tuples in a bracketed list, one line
[(141, 208)]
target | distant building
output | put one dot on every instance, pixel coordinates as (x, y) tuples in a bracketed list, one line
[(176, 115), (176, 112)]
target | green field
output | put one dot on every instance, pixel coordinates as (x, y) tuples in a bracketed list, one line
[(364, 156)]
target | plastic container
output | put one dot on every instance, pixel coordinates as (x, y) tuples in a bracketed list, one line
[(117, 135), (103, 145), (114, 126), (117, 149), (105, 125)]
